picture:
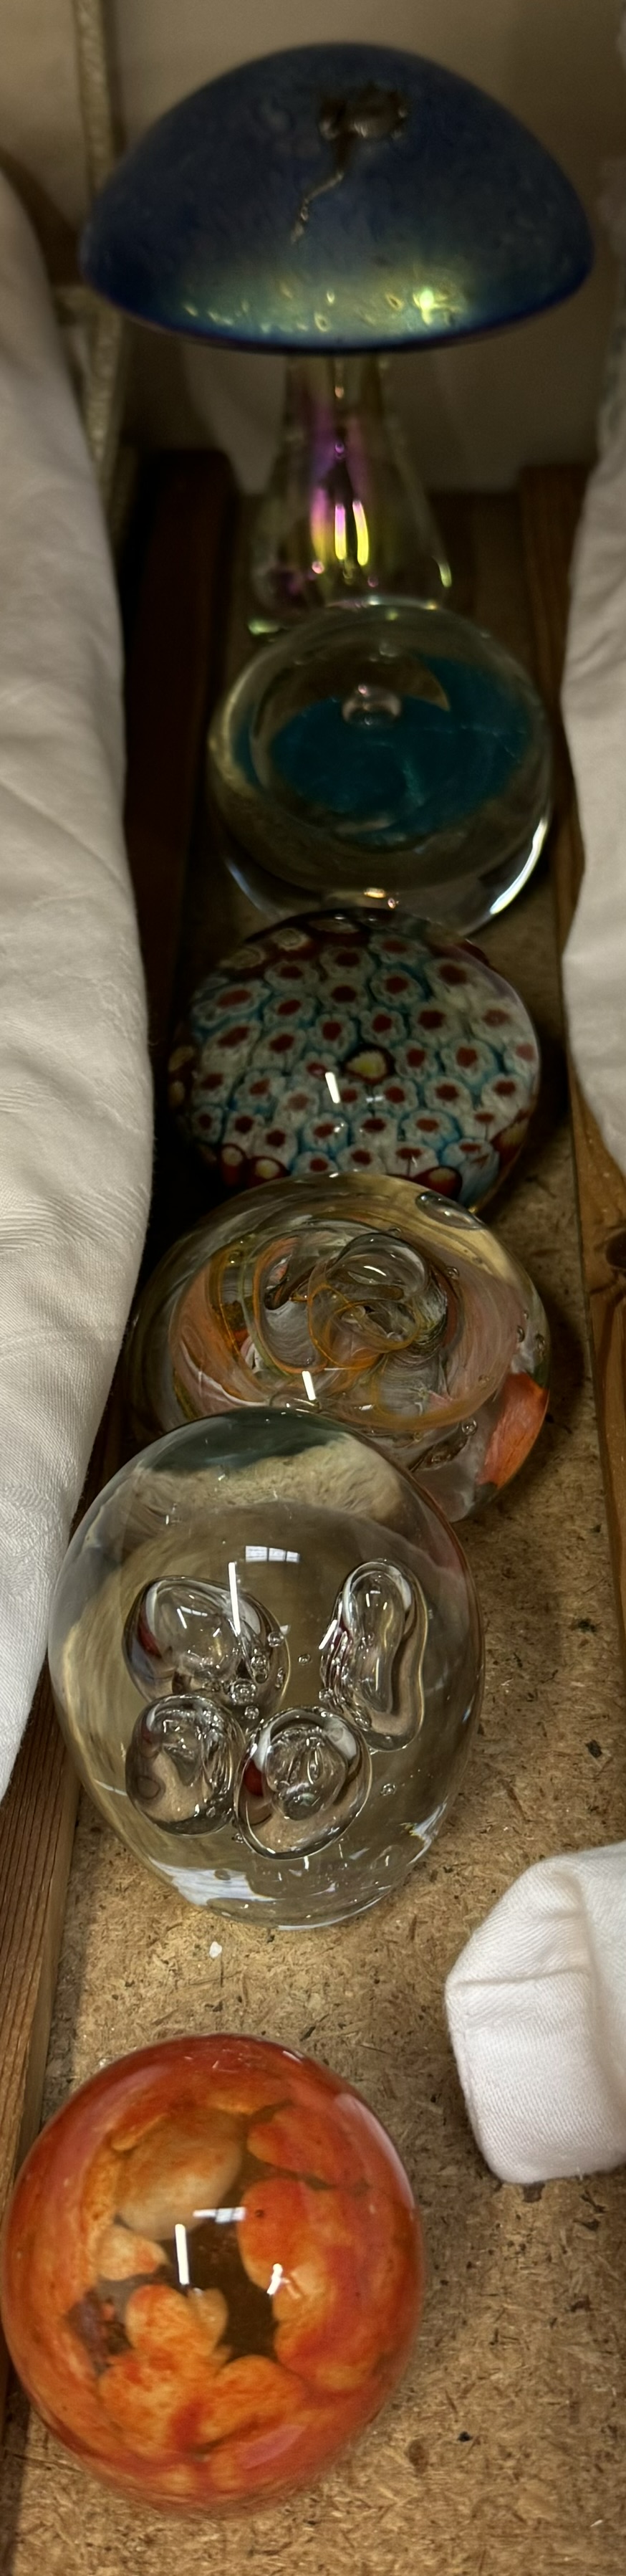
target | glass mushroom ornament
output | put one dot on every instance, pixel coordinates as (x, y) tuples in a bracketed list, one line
[(336, 202), (266, 1655), (211, 2273)]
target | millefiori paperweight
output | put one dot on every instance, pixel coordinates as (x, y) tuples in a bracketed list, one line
[(211, 2273), (356, 1043), (266, 1656), (369, 1302), (387, 749)]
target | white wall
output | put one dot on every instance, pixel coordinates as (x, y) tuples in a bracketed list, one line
[(40, 129), (477, 412)]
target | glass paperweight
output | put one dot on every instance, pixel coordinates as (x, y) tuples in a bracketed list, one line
[(211, 2273), (385, 1310), (336, 196), (356, 1043), (266, 1657), (387, 749)]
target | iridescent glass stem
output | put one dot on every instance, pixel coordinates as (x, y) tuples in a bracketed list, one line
[(343, 513)]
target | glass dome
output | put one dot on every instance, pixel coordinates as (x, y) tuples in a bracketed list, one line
[(374, 1303), (336, 197), (356, 1043), (266, 1656), (211, 2273)]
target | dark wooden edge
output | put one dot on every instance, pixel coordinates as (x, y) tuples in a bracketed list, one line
[(175, 616), (551, 500), (174, 585)]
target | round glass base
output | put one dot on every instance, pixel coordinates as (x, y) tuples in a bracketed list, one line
[(390, 751)]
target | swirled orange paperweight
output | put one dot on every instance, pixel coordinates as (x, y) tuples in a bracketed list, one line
[(365, 1301), (211, 2273)]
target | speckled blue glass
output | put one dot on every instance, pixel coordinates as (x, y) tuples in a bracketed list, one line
[(419, 772), (266, 209)]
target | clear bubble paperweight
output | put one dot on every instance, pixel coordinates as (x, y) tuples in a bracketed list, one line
[(389, 748), (211, 2273), (363, 1300), (356, 1043), (266, 1656)]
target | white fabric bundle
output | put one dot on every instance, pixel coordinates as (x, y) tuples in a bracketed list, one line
[(594, 708), (75, 1089), (594, 711), (536, 2010)]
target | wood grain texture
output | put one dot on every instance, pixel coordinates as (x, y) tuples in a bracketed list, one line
[(173, 586), (37, 1819), (177, 615), (550, 506)]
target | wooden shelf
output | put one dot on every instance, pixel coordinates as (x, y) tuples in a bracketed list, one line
[(503, 2446)]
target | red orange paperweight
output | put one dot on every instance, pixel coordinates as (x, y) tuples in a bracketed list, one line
[(211, 2273)]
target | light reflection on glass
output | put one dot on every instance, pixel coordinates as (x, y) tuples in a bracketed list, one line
[(223, 2217), (272, 1556), (234, 1599), (341, 543), (536, 847), (362, 538), (182, 2256)]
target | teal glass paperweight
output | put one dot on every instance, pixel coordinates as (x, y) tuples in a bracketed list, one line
[(266, 1654), (386, 750)]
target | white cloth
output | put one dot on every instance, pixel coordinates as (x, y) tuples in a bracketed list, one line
[(594, 712), (536, 2010), (594, 709), (75, 1090)]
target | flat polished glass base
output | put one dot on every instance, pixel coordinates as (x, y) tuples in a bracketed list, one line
[(390, 750)]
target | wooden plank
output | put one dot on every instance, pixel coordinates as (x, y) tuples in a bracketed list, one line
[(176, 614), (550, 504), (173, 589), (37, 1818)]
